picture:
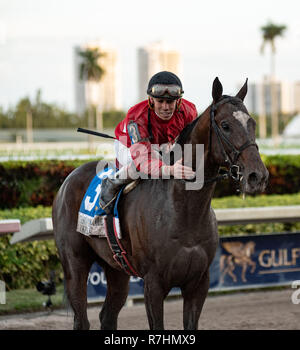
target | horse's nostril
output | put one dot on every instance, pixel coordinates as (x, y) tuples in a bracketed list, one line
[(253, 178)]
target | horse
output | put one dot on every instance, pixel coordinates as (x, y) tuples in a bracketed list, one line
[(240, 254), (170, 234)]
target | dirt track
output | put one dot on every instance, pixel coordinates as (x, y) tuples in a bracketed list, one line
[(268, 310)]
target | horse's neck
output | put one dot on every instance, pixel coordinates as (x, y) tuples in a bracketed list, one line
[(201, 134), (199, 201)]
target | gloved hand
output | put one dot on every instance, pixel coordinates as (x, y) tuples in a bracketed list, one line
[(178, 170)]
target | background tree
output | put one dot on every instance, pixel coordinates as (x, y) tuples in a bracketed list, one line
[(49, 116), (270, 32), (90, 71)]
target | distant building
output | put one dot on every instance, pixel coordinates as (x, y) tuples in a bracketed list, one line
[(104, 94), (154, 58), (293, 128), (297, 96), (287, 99), (258, 99)]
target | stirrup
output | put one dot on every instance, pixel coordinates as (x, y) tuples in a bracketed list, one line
[(109, 203)]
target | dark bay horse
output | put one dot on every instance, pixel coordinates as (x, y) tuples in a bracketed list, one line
[(170, 234)]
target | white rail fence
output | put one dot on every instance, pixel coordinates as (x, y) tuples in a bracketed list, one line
[(9, 226)]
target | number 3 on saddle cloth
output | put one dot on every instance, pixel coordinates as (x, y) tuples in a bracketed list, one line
[(93, 221)]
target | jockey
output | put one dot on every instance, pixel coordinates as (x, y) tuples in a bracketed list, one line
[(149, 124)]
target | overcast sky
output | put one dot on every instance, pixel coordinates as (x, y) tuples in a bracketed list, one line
[(215, 38)]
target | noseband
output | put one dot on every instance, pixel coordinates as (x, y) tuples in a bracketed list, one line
[(232, 157)]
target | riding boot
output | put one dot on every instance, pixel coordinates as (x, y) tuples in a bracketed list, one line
[(110, 187)]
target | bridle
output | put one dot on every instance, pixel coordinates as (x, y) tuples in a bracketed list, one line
[(232, 157)]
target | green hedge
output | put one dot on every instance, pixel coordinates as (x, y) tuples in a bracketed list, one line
[(36, 182), (284, 173), (32, 183), (24, 264)]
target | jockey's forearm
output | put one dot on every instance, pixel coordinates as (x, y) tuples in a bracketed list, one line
[(146, 159)]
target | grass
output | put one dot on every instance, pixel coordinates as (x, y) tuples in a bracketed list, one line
[(261, 200), (29, 300)]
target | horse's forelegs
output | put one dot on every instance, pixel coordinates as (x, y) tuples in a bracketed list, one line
[(116, 294), (194, 295), (154, 298)]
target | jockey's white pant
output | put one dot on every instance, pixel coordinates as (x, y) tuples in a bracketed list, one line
[(122, 154)]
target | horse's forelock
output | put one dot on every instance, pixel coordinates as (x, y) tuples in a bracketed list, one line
[(236, 102)]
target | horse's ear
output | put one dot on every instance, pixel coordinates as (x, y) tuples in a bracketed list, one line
[(217, 90), (243, 92)]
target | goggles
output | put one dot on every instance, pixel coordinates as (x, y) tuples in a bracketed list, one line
[(171, 91)]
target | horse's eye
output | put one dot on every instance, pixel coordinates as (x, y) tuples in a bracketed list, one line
[(225, 126)]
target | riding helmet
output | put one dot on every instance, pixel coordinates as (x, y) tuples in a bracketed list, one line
[(165, 78)]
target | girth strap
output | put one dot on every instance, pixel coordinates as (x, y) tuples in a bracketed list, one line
[(119, 254)]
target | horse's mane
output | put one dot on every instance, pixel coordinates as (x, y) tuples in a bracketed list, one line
[(185, 133)]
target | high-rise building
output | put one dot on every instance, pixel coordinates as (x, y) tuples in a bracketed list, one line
[(152, 59), (258, 99), (104, 94), (287, 105), (296, 96)]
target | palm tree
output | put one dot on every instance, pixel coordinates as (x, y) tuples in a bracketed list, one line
[(26, 107), (270, 32), (90, 71)]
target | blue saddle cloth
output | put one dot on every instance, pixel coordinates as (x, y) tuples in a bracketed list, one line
[(90, 216)]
